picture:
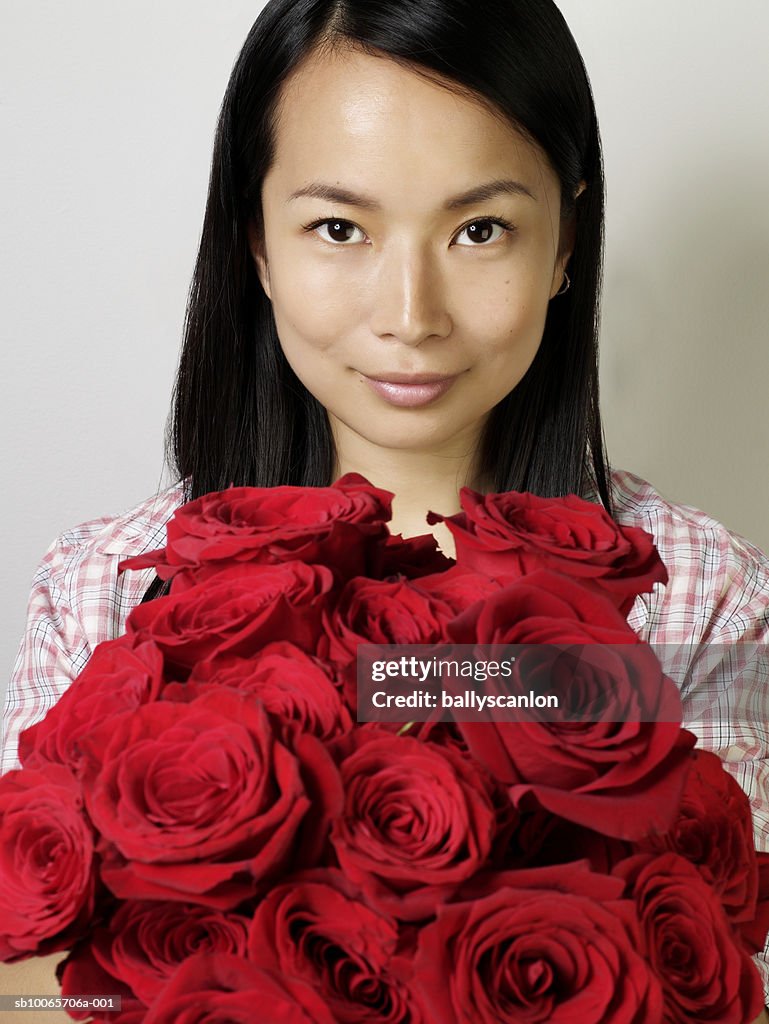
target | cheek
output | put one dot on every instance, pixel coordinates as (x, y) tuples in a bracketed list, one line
[(518, 323), (505, 312), (313, 317), (311, 311)]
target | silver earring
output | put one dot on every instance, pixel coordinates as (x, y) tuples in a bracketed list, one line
[(564, 286)]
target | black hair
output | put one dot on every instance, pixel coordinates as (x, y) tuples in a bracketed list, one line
[(240, 415)]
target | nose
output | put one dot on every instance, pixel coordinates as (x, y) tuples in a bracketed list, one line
[(409, 298)]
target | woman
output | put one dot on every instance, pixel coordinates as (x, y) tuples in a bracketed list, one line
[(398, 276)]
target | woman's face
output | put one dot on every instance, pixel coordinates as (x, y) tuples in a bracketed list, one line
[(411, 246)]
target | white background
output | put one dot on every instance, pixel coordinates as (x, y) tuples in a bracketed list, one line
[(108, 111)]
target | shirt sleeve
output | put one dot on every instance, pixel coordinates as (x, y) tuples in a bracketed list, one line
[(52, 652), (726, 689), (78, 600)]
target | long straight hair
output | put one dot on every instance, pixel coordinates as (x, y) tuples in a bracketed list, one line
[(240, 415)]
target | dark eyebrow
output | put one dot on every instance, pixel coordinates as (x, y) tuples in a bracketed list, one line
[(333, 194), (491, 189)]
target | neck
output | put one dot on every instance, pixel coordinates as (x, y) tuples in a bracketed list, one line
[(420, 481)]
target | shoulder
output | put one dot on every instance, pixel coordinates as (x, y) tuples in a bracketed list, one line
[(684, 532), (79, 599), (131, 532), (718, 585), (78, 577)]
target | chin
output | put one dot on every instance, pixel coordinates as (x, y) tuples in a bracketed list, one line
[(410, 440)]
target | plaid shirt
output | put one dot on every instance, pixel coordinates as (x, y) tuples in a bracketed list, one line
[(717, 595)]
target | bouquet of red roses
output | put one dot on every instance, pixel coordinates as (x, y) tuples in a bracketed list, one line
[(205, 823)]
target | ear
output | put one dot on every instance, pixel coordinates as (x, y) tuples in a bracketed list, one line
[(565, 249), (568, 236), (259, 256)]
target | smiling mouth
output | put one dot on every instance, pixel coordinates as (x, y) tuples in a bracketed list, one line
[(410, 390), (410, 378)]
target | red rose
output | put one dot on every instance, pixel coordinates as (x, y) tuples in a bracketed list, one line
[(143, 945), (315, 928), (543, 607), (378, 612), (459, 588), (238, 611), (519, 533), (383, 612), (80, 973), (333, 526), (417, 821), (412, 557), (295, 689), (550, 944), (120, 674), (200, 801), (47, 876), (754, 932), (621, 775), (537, 838), (686, 937), (714, 832), (217, 988), (443, 734)]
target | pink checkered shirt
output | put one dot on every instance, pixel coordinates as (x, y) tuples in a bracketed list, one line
[(717, 595)]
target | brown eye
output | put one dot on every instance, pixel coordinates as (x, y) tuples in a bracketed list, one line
[(338, 231), (482, 231)]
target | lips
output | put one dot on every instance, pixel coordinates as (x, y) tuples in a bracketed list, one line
[(409, 378), (410, 390)]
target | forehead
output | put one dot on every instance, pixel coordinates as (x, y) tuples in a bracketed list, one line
[(358, 119)]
